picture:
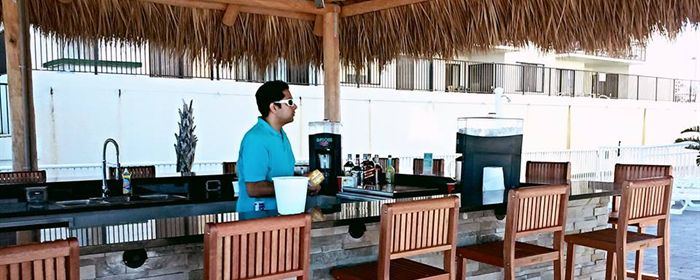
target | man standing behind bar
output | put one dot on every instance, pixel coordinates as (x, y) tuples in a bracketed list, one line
[(265, 151)]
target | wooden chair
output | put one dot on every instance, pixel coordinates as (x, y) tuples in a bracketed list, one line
[(548, 172), (23, 177), (625, 172), (409, 229), (532, 210), (438, 166), (230, 168), (49, 260), (143, 171), (644, 201), (268, 248), (394, 162)]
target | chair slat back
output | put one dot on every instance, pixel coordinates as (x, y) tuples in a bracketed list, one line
[(625, 172), (42, 261), (230, 168), (143, 171), (645, 200), (269, 248), (438, 166), (539, 209), (22, 177), (415, 228), (548, 172), (394, 163)]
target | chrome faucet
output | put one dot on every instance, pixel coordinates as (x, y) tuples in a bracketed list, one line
[(105, 188)]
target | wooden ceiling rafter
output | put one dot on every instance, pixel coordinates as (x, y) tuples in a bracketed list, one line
[(375, 6)]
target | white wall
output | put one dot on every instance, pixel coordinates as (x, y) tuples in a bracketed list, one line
[(84, 110)]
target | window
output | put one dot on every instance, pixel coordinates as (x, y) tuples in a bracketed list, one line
[(605, 84), (482, 77), (298, 74), (166, 63), (566, 81), (452, 77), (4, 110), (532, 77), (369, 75), (405, 73)]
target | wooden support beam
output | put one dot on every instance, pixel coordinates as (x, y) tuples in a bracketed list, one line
[(242, 9), (301, 6), (19, 80), (65, 1), (318, 26), (331, 67), (231, 14), (375, 5)]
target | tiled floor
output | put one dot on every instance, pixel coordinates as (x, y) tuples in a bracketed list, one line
[(685, 248)]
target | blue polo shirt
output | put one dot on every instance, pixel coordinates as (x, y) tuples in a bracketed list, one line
[(264, 153)]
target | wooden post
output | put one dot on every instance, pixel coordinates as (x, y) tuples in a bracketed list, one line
[(331, 67), (19, 79)]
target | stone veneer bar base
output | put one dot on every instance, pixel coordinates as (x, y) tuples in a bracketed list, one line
[(332, 247)]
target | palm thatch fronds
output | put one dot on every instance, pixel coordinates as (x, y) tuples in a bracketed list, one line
[(435, 28)]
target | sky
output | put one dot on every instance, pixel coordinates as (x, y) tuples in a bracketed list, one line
[(672, 58)]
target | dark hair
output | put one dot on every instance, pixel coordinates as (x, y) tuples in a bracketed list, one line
[(269, 92)]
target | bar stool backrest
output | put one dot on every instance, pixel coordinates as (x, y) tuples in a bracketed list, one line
[(22, 177), (438, 166), (415, 228), (535, 210), (625, 172), (645, 201), (548, 172), (394, 163), (143, 171), (268, 248), (230, 168), (49, 260)]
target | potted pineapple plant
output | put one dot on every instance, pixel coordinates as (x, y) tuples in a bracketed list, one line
[(185, 140)]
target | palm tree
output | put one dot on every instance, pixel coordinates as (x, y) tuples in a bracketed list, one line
[(691, 135)]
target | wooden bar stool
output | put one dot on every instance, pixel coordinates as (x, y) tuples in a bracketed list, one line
[(230, 168), (410, 229), (49, 260), (625, 172), (531, 210), (23, 177), (644, 201), (142, 171), (548, 172), (269, 248)]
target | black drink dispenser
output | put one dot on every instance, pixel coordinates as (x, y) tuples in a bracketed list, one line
[(491, 150), (325, 153)]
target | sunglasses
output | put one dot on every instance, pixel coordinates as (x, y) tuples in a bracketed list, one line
[(288, 102)]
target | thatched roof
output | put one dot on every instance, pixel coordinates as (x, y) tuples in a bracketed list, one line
[(440, 28)]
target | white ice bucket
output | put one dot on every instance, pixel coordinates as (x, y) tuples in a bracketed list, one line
[(290, 193)]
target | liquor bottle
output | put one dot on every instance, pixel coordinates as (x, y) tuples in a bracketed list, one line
[(126, 182), (357, 171), (378, 172), (390, 171), (347, 168), (368, 171)]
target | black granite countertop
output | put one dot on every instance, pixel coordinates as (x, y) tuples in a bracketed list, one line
[(183, 217)]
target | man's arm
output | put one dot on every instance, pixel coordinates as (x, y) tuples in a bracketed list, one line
[(260, 189)]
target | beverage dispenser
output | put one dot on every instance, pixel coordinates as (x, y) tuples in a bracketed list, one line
[(325, 153), (490, 149)]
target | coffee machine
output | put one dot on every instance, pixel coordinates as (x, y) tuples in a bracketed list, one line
[(490, 149), (325, 153)]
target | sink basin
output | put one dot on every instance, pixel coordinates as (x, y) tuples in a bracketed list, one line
[(159, 197), (81, 202)]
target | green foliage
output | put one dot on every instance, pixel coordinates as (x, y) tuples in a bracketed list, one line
[(691, 135)]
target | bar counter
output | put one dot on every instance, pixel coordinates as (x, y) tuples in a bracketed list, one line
[(343, 232)]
